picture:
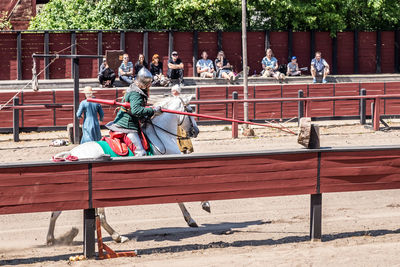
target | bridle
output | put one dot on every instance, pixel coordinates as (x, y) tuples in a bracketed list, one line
[(186, 108)]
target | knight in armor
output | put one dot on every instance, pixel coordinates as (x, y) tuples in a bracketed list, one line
[(128, 120)]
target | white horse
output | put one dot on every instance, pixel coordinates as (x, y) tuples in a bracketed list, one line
[(162, 135)]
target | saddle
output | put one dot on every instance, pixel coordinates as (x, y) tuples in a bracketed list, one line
[(121, 144)]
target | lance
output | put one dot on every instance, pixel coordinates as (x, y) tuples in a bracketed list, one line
[(127, 105)]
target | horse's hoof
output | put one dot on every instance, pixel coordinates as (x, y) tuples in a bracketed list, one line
[(119, 238), (192, 223), (50, 241), (206, 206)]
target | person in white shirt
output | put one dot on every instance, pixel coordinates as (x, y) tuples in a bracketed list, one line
[(205, 66)]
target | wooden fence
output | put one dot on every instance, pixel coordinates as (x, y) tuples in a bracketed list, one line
[(49, 186), (348, 53), (42, 119)]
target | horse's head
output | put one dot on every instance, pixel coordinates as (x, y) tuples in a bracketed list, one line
[(181, 103), (188, 123)]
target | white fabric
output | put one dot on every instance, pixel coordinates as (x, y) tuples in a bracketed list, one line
[(139, 151)]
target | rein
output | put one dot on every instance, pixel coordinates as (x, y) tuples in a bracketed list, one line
[(166, 131)]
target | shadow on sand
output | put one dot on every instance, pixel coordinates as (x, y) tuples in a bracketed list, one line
[(225, 228)]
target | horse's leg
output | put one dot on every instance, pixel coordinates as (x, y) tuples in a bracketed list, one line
[(187, 216), (114, 235), (50, 233), (205, 205)]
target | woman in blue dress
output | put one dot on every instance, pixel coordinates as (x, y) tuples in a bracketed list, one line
[(91, 126)]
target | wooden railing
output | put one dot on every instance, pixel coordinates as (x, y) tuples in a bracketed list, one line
[(49, 186)]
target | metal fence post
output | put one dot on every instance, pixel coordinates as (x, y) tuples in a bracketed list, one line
[(16, 120), (300, 108), (89, 222), (363, 107), (19, 56), (316, 217), (75, 65), (235, 131)]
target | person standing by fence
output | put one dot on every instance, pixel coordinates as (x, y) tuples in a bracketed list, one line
[(91, 125)]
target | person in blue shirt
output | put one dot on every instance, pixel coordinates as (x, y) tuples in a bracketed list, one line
[(293, 68), (205, 67), (270, 66), (319, 67), (125, 71), (91, 126)]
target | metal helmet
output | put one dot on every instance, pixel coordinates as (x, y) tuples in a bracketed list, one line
[(144, 77)]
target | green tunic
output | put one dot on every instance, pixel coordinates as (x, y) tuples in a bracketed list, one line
[(130, 119)]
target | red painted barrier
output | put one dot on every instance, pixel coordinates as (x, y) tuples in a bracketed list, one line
[(87, 45), (31, 43), (367, 52), (134, 46), (207, 41), (8, 55), (158, 42), (301, 48), (183, 44), (45, 186), (232, 46), (279, 45), (60, 68), (257, 111)]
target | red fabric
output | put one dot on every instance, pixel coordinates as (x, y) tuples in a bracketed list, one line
[(119, 143), (143, 139)]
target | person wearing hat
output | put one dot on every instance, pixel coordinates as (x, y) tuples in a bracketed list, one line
[(293, 68), (91, 125), (106, 75), (128, 120), (175, 67)]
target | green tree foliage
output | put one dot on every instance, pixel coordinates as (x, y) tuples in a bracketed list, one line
[(186, 15), (4, 22)]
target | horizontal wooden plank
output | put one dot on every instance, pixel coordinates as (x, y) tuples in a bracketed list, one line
[(356, 171), (40, 207), (36, 198), (202, 196)]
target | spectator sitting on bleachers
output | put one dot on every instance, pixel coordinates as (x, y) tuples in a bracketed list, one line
[(106, 75), (270, 66), (205, 67), (224, 69), (293, 68), (156, 69), (175, 67), (140, 64), (319, 67), (125, 71)]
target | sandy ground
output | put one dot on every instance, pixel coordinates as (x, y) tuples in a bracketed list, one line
[(359, 228)]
